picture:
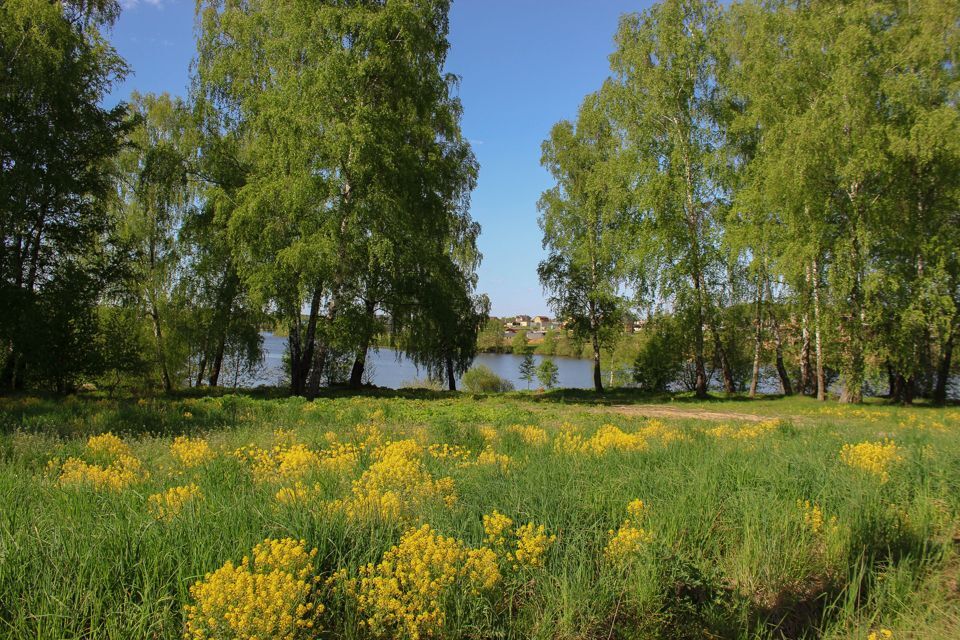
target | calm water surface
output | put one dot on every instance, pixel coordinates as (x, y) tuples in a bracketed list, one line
[(392, 369), (389, 368)]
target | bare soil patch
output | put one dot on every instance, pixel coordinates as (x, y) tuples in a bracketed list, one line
[(664, 411)]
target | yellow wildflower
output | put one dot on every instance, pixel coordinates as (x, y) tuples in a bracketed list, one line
[(190, 452), (121, 473), (268, 597), (402, 595), (108, 445), (873, 457), (607, 438), (496, 526), (169, 504), (123, 470), (532, 545), (812, 515), (523, 547), (531, 435), (628, 540), (395, 485)]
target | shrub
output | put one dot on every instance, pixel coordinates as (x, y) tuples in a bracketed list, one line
[(480, 379), (660, 358)]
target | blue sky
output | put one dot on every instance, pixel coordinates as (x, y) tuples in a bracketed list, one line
[(524, 64)]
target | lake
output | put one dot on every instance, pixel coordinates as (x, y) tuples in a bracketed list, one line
[(389, 368)]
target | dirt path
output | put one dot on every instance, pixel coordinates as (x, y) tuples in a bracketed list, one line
[(664, 411)]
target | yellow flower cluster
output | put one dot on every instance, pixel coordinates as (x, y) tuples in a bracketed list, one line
[(451, 452), (532, 545), (882, 634), (463, 457), (607, 438), (659, 430), (874, 457), (913, 422), (293, 461), (268, 597), (627, 541), (490, 458), (403, 594), (523, 547), (368, 436), (395, 485), (497, 528), (190, 452), (747, 431), (109, 445), (488, 433), (531, 435), (122, 470), (169, 504), (298, 494), (812, 515)]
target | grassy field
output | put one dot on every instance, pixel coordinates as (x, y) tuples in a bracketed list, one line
[(514, 516)]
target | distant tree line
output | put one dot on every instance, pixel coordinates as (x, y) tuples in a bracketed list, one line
[(315, 177), (773, 184)]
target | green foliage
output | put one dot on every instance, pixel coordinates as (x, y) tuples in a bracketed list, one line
[(528, 369), (57, 144), (585, 226), (126, 346), (480, 379), (518, 344), (548, 346), (373, 213), (490, 338), (662, 353), (547, 373)]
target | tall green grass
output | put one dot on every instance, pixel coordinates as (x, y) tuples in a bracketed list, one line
[(731, 555)]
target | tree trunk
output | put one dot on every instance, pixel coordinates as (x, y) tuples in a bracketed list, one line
[(9, 365), (851, 325), (805, 382), (319, 363), (359, 364), (360, 361), (597, 380), (201, 369), (728, 385), (451, 379), (161, 351), (700, 384), (757, 340), (785, 387), (595, 323), (218, 361), (221, 320), (818, 343), (943, 372), (301, 347), (322, 351)]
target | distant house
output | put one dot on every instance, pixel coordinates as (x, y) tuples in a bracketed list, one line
[(633, 327), (540, 321), (521, 321), (535, 336)]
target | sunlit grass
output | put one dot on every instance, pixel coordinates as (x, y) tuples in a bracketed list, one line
[(747, 528)]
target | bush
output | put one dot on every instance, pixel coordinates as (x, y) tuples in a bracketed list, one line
[(432, 384), (480, 379), (660, 358)]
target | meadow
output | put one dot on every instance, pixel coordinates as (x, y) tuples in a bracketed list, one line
[(419, 515)]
